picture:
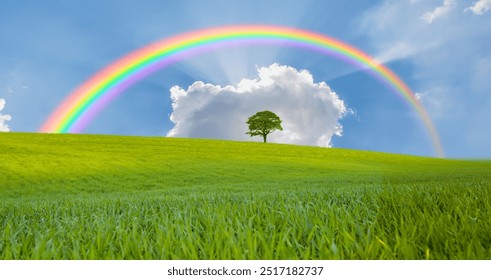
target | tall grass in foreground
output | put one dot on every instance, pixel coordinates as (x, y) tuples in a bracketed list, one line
[(100, 197), (357, 222)]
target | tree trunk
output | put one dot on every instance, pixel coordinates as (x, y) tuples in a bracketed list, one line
[(264, 137)]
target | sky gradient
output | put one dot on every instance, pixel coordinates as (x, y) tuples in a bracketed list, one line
[(439, 48)]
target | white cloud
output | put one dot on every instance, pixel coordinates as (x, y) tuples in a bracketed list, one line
[(438, 11), (310, 111), (397, 51), (3, 118), (480, 7), (398, 31), (15, 88)]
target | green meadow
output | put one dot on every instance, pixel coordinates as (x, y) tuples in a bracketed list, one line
[(113, 197)]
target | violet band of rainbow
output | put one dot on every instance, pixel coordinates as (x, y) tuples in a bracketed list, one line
[(83, 104)]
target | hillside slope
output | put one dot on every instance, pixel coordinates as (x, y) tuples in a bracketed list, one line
[(44, 162), (113, 197)]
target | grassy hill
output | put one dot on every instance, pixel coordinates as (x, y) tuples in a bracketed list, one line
[(110, 197)]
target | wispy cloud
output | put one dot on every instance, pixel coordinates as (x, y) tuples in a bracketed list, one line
[(397, 51), (449, 61), (310, 111), (438, 11), (4, 118), (480, 7)]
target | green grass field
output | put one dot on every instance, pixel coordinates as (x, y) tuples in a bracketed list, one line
[(109, 197)]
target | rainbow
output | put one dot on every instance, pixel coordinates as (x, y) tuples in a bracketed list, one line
[(81, 106)]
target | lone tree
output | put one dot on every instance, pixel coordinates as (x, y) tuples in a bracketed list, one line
[(263, 123)]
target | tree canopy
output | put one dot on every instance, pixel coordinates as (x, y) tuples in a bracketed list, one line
[(263, 123)]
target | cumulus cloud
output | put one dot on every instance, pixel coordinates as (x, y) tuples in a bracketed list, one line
[(310, 111), (438, 11), (480, 7), (3, 118)]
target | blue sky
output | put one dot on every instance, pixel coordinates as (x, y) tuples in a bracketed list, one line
[(439, 48)]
